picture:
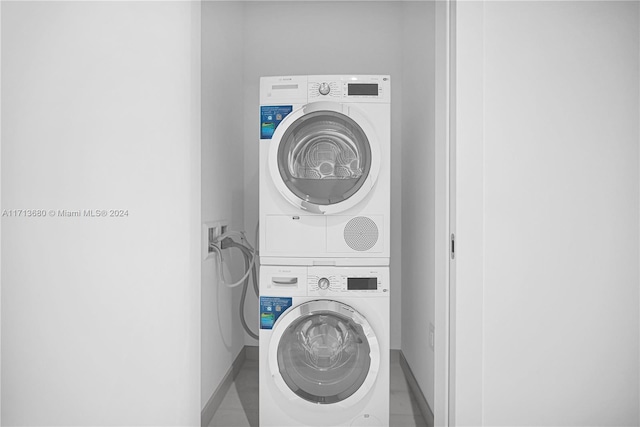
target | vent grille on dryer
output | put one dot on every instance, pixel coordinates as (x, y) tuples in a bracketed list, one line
[(361, 233)]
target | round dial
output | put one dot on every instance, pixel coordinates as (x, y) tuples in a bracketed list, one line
[(324, 88), (324, 283)]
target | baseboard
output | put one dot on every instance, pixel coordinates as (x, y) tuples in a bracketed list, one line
[(215, 400), (426, 411)]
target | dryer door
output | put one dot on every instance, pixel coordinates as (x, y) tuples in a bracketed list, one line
[(324, 352), (324, 157)]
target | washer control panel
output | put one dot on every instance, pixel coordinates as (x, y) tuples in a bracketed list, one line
[(291, 281), (347, 280)]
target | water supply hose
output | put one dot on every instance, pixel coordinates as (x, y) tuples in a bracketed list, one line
[(249, 264), (227, 237)]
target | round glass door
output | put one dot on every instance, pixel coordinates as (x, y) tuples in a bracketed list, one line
[(324, 356), (324, 157)]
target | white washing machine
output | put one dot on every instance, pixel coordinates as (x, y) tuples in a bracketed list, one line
[(325, 150), (324, 346)]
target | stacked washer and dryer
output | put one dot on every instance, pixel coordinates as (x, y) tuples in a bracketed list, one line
[(324, 250)]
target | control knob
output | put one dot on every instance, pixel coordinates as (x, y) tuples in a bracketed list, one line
[(324, 88), (324, 283)]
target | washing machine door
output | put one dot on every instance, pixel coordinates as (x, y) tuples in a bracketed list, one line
[(324, 352), (324, 157)]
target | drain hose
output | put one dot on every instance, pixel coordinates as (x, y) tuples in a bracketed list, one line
[(247, 254)]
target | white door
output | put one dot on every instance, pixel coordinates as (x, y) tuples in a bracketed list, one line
[(324, 157)]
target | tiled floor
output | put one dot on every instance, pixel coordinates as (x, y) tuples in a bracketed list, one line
[(240, 406)]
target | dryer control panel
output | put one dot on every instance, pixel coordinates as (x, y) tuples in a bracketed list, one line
[(355, 88)]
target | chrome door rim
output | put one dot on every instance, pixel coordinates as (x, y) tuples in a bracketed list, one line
[(309, 308), (374, 169)]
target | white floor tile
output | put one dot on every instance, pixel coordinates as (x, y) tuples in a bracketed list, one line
[(225, 417), (406, 421), (401, 403), (397, 381)]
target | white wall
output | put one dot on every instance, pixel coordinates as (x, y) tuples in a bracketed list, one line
[(100, 316), (222, 183), (298, 38), (551, 155), (418, 191), (0, 220)]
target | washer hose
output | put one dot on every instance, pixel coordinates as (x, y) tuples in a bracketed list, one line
[(223, 241), (247, 254)]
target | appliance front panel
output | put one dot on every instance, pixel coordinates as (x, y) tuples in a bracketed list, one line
[(288, 188), (302, 234)]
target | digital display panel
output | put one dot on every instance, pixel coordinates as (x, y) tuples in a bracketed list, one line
[(366, 89), (362, 283)]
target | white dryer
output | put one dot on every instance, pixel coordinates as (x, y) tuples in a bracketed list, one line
[(325, 169), (324, 346)]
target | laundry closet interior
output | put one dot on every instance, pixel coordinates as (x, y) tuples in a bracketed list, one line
[(153, 108), (244, 41)]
